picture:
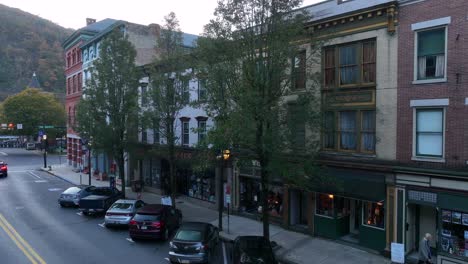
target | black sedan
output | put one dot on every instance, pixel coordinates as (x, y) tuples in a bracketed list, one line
[(72, 195), (194, 242), (252, 250)]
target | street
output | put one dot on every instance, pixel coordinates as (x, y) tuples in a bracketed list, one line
[(35, 229)]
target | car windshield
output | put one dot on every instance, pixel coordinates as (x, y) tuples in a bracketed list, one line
[(122, 206), (72, 190), (189, 235), (146, 217)]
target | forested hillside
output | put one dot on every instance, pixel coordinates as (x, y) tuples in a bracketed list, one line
[(30, 44)]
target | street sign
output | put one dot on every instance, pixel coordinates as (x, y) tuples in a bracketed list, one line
[(228, 198), (41, 133), (19, 126)]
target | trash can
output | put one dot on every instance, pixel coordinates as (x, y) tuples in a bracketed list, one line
[(136, 186)]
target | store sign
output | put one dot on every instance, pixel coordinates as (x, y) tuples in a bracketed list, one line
[(398, 253), (422, 196)]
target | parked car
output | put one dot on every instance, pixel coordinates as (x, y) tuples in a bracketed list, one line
[(122, 211), (30, 146), (252, 250), (3, 169), (154, 221), (72, 195), (100, 200), (194, 242)]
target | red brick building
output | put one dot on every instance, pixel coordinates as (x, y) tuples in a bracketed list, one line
[(432, 141), (74, 82)]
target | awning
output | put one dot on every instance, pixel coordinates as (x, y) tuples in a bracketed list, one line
[(351, 183)]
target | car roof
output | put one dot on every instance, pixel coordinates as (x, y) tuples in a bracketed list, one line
[(194, 226), (152, 209), (73, 189)]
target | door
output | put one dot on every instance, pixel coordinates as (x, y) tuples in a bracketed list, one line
[(411, 240), (355, 216)]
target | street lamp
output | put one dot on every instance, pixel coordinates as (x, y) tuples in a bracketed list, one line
[(44, 138), (224, 157)]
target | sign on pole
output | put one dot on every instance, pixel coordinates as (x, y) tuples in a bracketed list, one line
[(41, 133), (19, 126)]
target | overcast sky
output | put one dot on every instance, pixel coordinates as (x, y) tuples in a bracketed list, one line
[(192, 14)]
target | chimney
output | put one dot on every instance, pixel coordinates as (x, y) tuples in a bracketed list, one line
[(90, 21), (155, 29)]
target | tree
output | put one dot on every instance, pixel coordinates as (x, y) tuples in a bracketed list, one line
[(107, 112), (33, 108), (169, 91), (249, 55)]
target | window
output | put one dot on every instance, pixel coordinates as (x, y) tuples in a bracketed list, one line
[(329, 130), (297, 125), (69, 85), (351, 64), (185, 133), (186, 91), (325, 205), (85, 56), (431, 54), (329, 67), (348, 130), (354, 130), (144, 94), (156, 131), (80, 78), (374, 214), (69, 116), (201, 130), (74, 83), (202, 90), (299, 70), (144, 134), (429, 132)]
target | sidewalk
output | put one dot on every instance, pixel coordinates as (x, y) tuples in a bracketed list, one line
[(293, 248)]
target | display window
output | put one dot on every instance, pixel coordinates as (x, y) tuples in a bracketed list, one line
[(454, 234), (374, 214), (251, 194), (325, 205), (202, 187)]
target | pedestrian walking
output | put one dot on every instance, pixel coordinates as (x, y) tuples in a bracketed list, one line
[(425, 256)]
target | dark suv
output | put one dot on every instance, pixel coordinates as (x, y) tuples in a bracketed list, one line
[(154, 221)]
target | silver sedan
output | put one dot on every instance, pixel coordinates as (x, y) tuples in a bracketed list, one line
[(122, 211)]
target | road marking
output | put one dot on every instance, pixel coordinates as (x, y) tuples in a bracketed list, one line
[(19, 207), (33, 174), (55, 189), (167, 259), (80, 213), (130, 240), (3, 153), (102, 225), (40, 181), (224, 253), (28, 251)]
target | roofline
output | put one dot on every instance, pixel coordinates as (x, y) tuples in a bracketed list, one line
[(103, 33)]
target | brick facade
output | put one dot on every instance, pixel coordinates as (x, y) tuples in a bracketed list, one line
[(454, 88)]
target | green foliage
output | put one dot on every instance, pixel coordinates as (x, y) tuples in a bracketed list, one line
[(107, 112), (30, 44), (33, 108), (246, 56)]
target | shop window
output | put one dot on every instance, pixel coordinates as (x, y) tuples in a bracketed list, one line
[(325, 205), (454, 235), (430, 132), (341, 206), (275, 201), (202, 187), (299, 70), (431, 54), (374, 214)]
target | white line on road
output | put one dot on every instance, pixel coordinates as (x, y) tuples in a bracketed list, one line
[(130, 240), (40, 181), (102, 225), (224, 253), (3, 153), (33, 174)]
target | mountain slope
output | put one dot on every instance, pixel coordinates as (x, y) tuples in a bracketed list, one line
[(30, 44)]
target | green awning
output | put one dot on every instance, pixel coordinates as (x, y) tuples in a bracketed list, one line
[(351, 183)]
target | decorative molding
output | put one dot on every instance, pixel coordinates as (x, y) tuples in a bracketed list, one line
[(429, 102), (201, 118), (184, 119), (431, 23)]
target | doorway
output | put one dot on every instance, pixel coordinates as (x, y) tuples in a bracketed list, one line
[(354, 216), (420, 219)]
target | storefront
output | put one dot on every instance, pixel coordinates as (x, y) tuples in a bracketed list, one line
[(442, 213), (350, 205), (202, 186)]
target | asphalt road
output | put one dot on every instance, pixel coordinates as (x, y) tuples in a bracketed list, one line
[(35, 229)]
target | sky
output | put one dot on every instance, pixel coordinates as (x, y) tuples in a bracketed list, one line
[(192, 14)]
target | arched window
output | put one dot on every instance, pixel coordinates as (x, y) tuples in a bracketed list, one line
[(79, 81)]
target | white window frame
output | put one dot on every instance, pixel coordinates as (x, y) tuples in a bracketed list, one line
[(423, 26), (200, 132), (415, 157), (183, 133)]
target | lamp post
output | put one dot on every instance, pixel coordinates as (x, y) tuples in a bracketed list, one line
[(44, 138), (224, 157), (89, 162)]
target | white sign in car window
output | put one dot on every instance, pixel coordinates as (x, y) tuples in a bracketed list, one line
[(166, 200), (398, 253)]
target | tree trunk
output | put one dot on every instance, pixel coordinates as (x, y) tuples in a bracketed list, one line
[(172, 176), (265, 214)]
